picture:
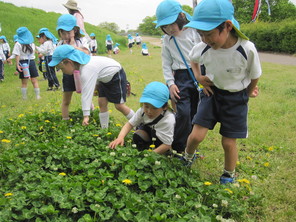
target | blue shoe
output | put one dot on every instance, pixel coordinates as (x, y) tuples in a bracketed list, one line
[(225, 178), (188, 162)]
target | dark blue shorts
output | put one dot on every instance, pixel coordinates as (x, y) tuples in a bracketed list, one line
[(68, 83), (115, 89), (130, 45), (32, 68), (228, 108), (109, 47)]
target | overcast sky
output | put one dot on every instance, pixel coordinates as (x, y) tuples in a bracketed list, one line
[(127, 14)]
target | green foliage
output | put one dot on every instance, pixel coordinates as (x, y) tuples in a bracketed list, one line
[(13, 17), (280, 10), (58, 171), (275, 37), (148, 26), (112, 27)]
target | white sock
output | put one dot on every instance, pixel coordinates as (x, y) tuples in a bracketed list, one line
[(188, 156), (130, 115), (230, 173), (37, 92), (104, 119), (24, 93)]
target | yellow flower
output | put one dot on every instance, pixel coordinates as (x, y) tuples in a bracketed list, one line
[(270, 148), (53, 127), (207, 183), (24, 127), (8, 194), (118, 124), (228, 190), (109, 133), (249, 158), (5, 141), (237, 163), (41, 128), (47, 121), (62, 174), (21, 115), (110, 110), (152, 146), (3, 106), (243, 181), (96, 135), (69, 137), (266, 164), (127, 181), (1, 131)]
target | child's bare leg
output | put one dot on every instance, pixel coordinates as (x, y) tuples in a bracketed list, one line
[(196, 136), (67, 96), (230, 153), (125, 110)]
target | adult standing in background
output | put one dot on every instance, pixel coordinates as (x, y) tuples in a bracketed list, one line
[(71, 5)]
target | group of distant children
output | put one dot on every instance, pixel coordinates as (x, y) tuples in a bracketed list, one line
[(210, 68)]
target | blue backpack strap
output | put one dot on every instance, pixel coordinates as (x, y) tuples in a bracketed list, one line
[(242, 51), (202, 67)]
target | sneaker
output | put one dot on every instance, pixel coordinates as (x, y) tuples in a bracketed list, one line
[(225, 178), (49, 89), (188, 162)]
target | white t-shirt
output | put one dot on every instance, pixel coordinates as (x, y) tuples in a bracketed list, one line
[(46, 48), (138, 38), (164, 128), (17, 50), (98, 69), (93, 43), (171, 58), (228, 68)]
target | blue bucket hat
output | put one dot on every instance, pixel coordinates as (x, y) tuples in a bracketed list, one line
[(48, 34), (68, 52), (92, 35), (167, 13), (24, 36), (144, 46), (108, 37), (117, 44), (156, 94), (3, 37), (209, 14), (66, 22)]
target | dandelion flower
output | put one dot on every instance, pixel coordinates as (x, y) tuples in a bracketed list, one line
[(62, 174), (229, 191), (5, 141), (270, 148), (118, 125), (207, 183), (47, 121), (243, 181), (127, 181), (152, 146), (95, 135), (109, 133), (249, 158), (1, 131), (266, 164), (237, 163), (21, 115), (69, 137), (23, 127), (8, 194)]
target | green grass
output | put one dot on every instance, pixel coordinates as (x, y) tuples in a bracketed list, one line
[(267, 157)]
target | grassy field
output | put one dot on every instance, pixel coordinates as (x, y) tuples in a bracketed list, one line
[(266, 157)]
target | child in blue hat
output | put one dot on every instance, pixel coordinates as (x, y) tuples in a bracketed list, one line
[(109, 44), (130, 42), (48, 44), (24, 52), (145, 51), (3, 49), (232, 72), (104, 71), (171, 18), (93, 45), (69, 33), (154, 121), (138, 40), (116, 48)]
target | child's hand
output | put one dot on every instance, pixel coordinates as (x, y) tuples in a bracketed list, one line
[(174, 92), (85, 121), (205, 81), (116, 142), (255, 92), (207, 90)]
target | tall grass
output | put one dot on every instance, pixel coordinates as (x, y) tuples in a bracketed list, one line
[(267, 157)]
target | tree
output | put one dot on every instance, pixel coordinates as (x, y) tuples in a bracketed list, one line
[(148, 26), (113, 27)]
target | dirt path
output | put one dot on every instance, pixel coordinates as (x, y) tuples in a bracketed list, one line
[(264, 57)]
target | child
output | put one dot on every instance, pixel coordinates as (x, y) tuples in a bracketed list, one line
[(48, 45), (145, 51), (4, 46), (138, 40), (69, 33), (116, 49), (154, 121), (93, 45), (171, 19), (109, 44), (106, 71), (233, 69), (131, 42), (24, 51)]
